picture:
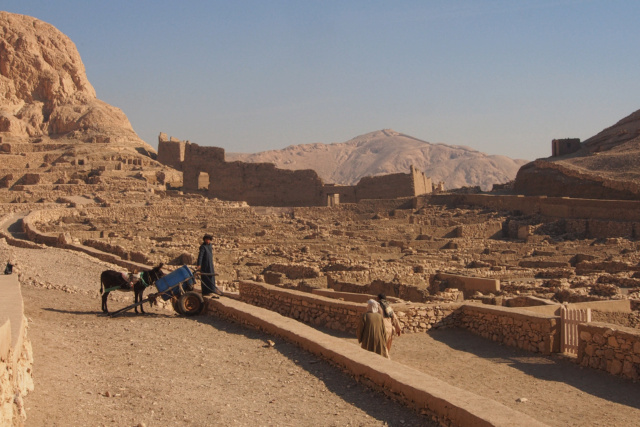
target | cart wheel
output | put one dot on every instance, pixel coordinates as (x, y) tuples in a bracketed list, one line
[(190, 304), (176, 306)]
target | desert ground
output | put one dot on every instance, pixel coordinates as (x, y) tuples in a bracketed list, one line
[(163, 369)]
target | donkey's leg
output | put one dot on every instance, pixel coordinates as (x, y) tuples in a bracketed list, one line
[(104, 302), (140, 297)]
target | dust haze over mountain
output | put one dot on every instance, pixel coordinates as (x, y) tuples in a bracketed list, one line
[(387, 151)]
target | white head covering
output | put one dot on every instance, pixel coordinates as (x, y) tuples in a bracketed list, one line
[(373, 306)]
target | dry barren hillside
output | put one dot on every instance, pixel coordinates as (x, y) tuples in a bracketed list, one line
[(605, 167), (388, 151), (44, 90)]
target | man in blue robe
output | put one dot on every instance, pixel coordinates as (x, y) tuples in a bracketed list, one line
[(205, 266)]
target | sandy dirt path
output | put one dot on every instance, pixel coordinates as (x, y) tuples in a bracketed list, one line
[(166, 370)]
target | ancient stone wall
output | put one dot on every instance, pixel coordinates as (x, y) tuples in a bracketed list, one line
[(560, 147), (262, 184), (554, 207), (468, 284), (422, 184), (265, 185), (610, 348), (171, 151), (346, 193), (513, 327), (16, 355), (330, 313), (385, 186), (424, 317), (630, 320), (308, 308), (484, 230), (199, 160)]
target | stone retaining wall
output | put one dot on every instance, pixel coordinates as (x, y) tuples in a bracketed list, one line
[(16, 356), (615, 349), (339, 315), (308, 308), (520, 328), (514, 327)]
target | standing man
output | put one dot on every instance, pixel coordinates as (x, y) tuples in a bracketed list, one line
[(205, 266)]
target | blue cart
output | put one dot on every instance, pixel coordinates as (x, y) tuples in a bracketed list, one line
[(177, 287)]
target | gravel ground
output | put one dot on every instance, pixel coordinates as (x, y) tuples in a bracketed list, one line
[(162, 369)]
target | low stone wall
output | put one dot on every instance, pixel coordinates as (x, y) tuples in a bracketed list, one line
[(340, 315), (514, 327), (424, 317), (65, 241), (313, 309), (16, 355), (611, 348), (520, 328)]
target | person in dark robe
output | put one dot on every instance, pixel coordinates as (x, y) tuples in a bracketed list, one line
[(205, 266), (371, 331)]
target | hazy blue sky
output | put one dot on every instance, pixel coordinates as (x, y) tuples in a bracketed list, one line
[(500, 76)]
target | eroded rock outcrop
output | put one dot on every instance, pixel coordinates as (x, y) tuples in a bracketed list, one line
[(44, 89), (605, 167)]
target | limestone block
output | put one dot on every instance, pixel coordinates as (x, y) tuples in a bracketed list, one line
[(616, 367)]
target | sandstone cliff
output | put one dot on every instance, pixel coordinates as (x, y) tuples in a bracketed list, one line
[(605, 167), (44, 89), (386, 152)]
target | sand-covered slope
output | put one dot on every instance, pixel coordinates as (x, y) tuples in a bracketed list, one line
[(388, 151), (606, 167)]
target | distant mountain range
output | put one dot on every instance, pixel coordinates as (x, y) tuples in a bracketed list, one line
[(387, 151)]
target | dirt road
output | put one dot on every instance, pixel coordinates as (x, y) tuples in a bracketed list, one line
[(166, 370)]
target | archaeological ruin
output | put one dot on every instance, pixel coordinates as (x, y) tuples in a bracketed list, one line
[(548, 264), (205, 170)]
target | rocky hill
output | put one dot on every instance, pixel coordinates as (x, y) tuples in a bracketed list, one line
[(388, 151), (44, 91), (56, 137), (605, 167)]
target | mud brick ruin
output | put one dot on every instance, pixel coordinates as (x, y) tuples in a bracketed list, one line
[(262, 184), (560, 147)]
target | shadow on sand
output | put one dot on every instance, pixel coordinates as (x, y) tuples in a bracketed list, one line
[(546, 368), (98, 313), (374, 403)]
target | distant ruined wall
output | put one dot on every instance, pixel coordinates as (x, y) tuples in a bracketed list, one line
[(560, 147), (421, 183), (171, 151), (554, 207), (200, 159), (385, 186), (262, 184), (346, 193)]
